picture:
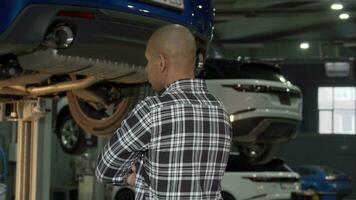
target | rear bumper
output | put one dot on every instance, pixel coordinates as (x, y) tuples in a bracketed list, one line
[(197, 14), (264, 129)]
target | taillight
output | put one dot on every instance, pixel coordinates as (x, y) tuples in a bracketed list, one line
[(330, 177), (84, 15)]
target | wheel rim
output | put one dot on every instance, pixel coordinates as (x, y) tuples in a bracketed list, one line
[(70, 133)]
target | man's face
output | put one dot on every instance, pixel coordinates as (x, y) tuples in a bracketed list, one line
[(154, 74)]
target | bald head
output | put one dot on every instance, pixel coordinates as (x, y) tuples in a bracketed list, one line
[(176, 43), (170, 54)]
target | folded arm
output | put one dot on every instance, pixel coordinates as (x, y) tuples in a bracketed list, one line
[(125, 147)]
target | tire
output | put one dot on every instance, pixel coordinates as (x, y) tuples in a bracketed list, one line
[(258, 154), (125, 194), (98, 122), (70, 136), (227, 196)]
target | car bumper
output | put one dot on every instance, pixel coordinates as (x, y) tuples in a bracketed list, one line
[(201, 20), (261, 126)]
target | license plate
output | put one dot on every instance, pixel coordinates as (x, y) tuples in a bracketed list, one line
[(175, 4), (287, 186)]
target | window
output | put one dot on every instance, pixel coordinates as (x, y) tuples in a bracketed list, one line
[(337, 106)]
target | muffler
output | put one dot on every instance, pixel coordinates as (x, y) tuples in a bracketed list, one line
[(59, 37)]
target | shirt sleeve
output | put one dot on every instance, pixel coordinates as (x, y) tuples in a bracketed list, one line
[(125, 146)]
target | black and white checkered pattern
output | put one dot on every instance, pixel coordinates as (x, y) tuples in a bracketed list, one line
[(180, 141)]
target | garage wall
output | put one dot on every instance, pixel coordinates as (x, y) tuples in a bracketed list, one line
[(338, 151), (308, 77), (62, 168)]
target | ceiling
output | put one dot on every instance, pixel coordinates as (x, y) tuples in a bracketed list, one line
[(260, 26)]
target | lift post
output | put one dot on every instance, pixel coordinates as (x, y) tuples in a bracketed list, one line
[(33, 149)]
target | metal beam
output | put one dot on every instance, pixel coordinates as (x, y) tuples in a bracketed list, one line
[(32, 178)]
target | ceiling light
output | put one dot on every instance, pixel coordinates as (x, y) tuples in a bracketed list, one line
[(304, 45), (232, 118), (344, 16), (337, 6)]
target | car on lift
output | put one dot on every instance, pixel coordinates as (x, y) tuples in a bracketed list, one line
[(90, 51), (273, 180), (265, 109), (324, 179)]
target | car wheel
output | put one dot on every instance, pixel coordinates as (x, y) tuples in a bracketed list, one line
[(125, 194), (102, 120), (257, 154), (227, 196), (70, 135)]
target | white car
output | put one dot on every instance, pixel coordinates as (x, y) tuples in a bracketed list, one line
[(273, 180), (241, 181), (265, 109)]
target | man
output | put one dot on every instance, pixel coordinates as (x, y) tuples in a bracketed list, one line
[(174, 145)]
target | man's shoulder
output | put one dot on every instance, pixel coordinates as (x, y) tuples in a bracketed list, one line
[(159, 101), (151, 101)]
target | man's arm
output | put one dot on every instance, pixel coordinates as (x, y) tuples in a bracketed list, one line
[(125, 146)]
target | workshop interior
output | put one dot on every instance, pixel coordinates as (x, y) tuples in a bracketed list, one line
[(72, 70)]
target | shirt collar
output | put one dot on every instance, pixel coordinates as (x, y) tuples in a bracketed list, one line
[(185, 84)]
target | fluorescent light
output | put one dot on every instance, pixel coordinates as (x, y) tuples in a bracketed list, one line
[(232, 118), (304, 45), (337, 6), (344, 16)]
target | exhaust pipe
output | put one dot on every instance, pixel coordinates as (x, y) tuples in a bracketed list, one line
[(59, 37), (45, 90)]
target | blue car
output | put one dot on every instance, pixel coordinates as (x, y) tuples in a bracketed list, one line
[(324, 179), (90, 50)]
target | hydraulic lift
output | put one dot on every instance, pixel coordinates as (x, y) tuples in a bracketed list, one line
[(33, 149), (33, 153)]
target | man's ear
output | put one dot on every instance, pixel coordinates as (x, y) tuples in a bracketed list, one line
[(162, 63)]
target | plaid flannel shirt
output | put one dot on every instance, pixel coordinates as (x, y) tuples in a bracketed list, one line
[(179, 140)]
